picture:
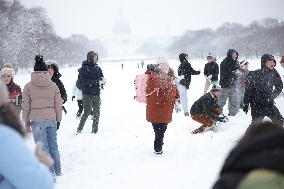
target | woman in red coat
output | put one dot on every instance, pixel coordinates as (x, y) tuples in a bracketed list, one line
[(161, 96)]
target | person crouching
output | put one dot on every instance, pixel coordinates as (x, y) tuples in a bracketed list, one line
[(206, 110)]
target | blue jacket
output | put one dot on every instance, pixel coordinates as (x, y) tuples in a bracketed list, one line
[(19, 168), (90, 76)]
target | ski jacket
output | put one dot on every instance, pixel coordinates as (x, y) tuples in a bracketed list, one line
[(228, 71), (56, 79), (186, 70), (90, 76), (264, 151), (263, 87), (212, 69), (19, 168), (162, 94), (41, 99), (205, 105)]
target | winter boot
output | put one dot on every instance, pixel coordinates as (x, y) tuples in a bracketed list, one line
[(159, 152), (95, 129), (78, 131), (186, 114), (199, 130)]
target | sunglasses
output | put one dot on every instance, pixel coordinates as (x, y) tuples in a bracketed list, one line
[(209, 57)]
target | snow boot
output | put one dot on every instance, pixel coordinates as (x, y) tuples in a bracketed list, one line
[(159, 152)]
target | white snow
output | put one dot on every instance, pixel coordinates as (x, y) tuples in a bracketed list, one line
[(121, 154)]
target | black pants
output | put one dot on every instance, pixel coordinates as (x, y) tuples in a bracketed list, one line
[(258, 113), (80, 106), (159, 129)]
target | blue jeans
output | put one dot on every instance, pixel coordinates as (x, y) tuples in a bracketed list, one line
[(45, 132)]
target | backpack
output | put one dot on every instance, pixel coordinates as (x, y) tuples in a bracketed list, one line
[(78, 83), (140, 83)]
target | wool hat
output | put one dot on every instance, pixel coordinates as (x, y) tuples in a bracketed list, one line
[(216, 88), (3, 93), (8, 65), (8, 71), (39, 64)]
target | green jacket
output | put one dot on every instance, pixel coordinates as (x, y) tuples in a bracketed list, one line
[(262, 179)]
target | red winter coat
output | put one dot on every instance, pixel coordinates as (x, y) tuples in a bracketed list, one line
[(162, 95)]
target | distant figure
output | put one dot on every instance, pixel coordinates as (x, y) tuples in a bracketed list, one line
[(122, 65), (142, 64), (229, 68), (185, 71), (211, 72), (138, 65), (282, 61), (263, 87), (256, 162)]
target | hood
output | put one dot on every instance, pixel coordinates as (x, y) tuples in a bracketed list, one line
[(265, 58), (182, 57), (41, 79), (230, 52)]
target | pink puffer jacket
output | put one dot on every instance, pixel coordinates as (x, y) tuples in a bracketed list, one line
[(41, 99)]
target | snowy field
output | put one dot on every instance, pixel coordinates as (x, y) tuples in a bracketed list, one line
[(121, 154)]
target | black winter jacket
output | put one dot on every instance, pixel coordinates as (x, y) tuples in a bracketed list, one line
[(263, 87), (90, 76), (56, 79), (186, 70), (228, 71), (212, 69), (205, 105)]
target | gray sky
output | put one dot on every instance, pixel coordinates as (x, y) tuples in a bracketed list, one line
[(95, 18)]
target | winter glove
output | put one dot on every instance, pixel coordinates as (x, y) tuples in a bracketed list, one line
[(223, 119), (245, 108), (58, 125), (73, 97)]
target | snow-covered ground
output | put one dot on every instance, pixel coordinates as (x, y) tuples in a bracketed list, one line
[(121, 154)]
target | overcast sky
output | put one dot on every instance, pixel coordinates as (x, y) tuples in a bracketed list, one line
[(95, 18)]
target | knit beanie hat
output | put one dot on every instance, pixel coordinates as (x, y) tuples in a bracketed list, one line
[(8, 71), (3, 93), (39, 64)]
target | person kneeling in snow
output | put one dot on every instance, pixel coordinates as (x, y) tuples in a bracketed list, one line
[(206, 110)]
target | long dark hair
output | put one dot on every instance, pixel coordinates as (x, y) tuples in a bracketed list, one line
[(10, 117)]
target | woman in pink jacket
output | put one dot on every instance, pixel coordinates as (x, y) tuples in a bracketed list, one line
[(42, 106)]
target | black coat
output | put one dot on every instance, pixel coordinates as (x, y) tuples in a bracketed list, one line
[(228, 71), (56, 79), (212, 69), (205, 105), (263, 87), (186, 70), (265, 151), (90, 76)]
